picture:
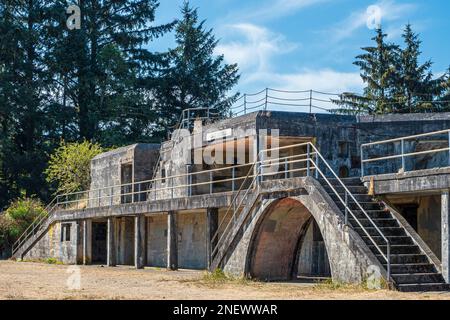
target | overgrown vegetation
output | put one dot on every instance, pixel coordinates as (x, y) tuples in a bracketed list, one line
[(69, 166), (218, 276), (16, 219), (101, 83)]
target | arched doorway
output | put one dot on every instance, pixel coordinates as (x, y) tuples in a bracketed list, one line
[(286, 244)]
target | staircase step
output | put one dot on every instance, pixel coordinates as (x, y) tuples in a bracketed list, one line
[(389, 222), (404, 258), (340, 189), (417, 278), (358, 197), (388, 231), (412, 268), (355, 181), (423, 287), (368, 205), (393, 240), (397, 249)]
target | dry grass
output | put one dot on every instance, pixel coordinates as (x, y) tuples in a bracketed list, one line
[(33, 280)]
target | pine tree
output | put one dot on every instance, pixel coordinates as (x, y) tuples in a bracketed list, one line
[(378, 67), (197, 78), (416, 85), (103, 70)]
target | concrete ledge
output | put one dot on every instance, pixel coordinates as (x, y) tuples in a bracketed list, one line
[(427, 180)]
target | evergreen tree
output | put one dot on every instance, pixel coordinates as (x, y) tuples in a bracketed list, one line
[(103, 69), (416, 85), (378, 71), (197, 78)]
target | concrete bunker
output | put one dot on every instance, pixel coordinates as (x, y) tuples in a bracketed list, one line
[(287, 244)]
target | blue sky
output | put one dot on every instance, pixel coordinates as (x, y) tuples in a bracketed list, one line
[(311, 44)]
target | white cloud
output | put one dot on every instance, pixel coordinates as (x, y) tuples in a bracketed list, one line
[(326, 80), (279, 8), (389, 11), (253, 47)]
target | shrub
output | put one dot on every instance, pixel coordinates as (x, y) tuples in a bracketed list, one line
[(69, 166), (13, 222)]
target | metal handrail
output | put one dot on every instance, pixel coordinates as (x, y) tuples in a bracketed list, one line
[(32, 227), (403, 155), (314, 165)]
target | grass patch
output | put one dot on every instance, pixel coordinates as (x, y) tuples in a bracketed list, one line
[(329, 284), (218, 276), (46, 260)]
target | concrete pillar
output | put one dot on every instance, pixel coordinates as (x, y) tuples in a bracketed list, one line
[(110, 243), (445, 220), (172, 241), (212, 223), (139, 241), (87, 241)]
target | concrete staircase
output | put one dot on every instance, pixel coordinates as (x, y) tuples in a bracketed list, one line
[(411, 269)]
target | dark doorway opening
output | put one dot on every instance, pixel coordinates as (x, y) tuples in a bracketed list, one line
[(99, 242), (312, 258), (409, 212)]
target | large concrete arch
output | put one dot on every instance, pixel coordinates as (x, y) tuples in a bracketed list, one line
[(277, 240), (348, 255)]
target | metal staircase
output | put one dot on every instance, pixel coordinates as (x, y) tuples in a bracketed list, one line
[(246, 198), (411, 269)]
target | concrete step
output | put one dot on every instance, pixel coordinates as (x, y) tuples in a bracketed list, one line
[(397, 249), (340, 189), (358, 197), (373, 214), (388, 231), (393, 240), (370, 205), (418, 278), (354, 181), (412, 268), (389, 222), (404, 258), (423, 287)]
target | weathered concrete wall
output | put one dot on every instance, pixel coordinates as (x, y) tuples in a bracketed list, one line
[(125, 241), (157, 241), (424, 215), (51, 245), (348, 255), (192, 240)]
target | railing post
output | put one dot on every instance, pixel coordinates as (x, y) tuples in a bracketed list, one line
[(310, 101), (346, 208), (362, 160), (171, 186), (403, 155), (388, 258), (139, 193), (308, 158), (449, 147), (111, 196), (317, 165), (245, 103), (233, 176), (267, 96), (285, 169), (98, 197), (210, 182)]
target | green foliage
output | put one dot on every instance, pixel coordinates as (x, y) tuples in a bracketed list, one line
[(196, 77), (395, 80), (18, 217), (69, 166)]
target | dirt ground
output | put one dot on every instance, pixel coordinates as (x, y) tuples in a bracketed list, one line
[(29, 280)]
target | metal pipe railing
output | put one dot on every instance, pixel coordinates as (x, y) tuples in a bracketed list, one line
[(403, 155), (312, 159)]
